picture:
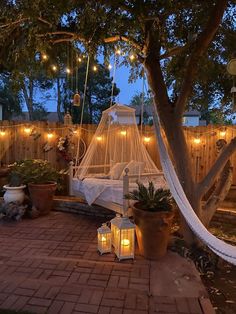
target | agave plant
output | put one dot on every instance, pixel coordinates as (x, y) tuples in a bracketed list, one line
[(150, 199)]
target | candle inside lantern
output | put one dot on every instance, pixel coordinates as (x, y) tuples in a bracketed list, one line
[(125, 246)]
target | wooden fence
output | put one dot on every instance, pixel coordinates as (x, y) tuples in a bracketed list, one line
[(39, 140)]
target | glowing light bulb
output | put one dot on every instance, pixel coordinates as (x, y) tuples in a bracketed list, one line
[(75, 131), (132, 57), (197, 140), (222, 133), (146, 139), (99, 138), (79, 59), (50, 135), (123, 133), (54, 68), (109, 66), (2, 133), (44, 57), (27, 130), (95, 68), (68, 71), (118, 52)]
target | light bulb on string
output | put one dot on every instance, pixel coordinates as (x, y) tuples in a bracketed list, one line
[(223, 132), (132, 57), (118, 52), (197, 140), (95, 68), (109, 66), (27, 130), (99, 138), (44, 57), (147, 139), (2, 132), (123, 132), (49, 134), (79, 59), (54, 68), (68, 70)]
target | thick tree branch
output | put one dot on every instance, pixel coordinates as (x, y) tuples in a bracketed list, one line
[(201, 45), (216, 168), (123, 38), (13, 23)]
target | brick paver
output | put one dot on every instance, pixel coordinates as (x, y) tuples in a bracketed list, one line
[(50, 265)]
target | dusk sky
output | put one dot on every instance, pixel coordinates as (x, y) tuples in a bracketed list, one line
[(127, 90)]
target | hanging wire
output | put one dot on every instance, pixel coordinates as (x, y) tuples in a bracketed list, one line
[(113, 80), (142, 102), (82, 113)]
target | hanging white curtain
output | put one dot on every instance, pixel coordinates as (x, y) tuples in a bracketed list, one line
[(222, 249)]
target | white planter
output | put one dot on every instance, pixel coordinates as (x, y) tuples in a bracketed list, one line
[(14, 194)]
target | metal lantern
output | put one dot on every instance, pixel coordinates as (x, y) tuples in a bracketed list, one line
[(76, 100), (114, 228), (104, 239), (124, 238)]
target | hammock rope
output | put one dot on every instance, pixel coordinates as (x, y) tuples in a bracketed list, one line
[(221, 248)]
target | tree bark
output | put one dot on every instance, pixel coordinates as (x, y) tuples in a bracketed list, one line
[(28, 96)]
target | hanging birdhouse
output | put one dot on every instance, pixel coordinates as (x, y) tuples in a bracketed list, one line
[(124, 238), (76, 100), (104, 239)]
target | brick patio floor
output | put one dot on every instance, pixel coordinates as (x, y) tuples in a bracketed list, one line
[(50, 265)]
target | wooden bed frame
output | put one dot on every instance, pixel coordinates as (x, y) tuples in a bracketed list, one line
[(111, 205)]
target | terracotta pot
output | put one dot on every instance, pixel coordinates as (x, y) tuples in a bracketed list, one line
[(42, 196), (152, 231)]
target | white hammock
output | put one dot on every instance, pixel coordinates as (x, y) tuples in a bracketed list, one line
[(222, 249)]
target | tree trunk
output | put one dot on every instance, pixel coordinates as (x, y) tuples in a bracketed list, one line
[(28, 96)]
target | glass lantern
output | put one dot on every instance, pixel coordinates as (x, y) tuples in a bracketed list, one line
[(104, 239), (114, 228), (124, 239)]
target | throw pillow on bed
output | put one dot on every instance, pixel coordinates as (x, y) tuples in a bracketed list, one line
[(135, 167), (117, 170)]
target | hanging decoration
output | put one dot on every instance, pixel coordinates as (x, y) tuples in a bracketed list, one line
[(67, 119), (76, 98), (63, 146)]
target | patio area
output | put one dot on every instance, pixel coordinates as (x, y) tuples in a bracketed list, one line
[(51, 265)]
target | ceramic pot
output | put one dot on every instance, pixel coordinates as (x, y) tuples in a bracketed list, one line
[(14, 194), (152, 231), (42, 196)]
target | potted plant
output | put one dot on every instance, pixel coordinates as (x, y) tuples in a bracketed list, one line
[(42, 180), (14, 190), (153, 214)]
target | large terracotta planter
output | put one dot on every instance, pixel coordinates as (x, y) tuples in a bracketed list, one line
[(152, 231), (42, 196)]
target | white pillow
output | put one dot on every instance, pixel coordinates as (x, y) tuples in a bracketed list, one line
[(135, 167), (117, 170)]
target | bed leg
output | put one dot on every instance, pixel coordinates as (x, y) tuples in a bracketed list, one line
[(125, 191)]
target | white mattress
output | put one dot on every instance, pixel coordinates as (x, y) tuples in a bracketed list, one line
[(107, 190)]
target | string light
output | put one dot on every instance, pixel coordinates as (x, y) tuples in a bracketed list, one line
[(123, 133), (197, 140), (49, 135), (79, 59), (109, 66), (132, 57), (147, 139), (27, 130), (99, 138), (118, 52), (223, 132), (2, 132), (44, 57), (68, 70), (95, 68), (54, 68)]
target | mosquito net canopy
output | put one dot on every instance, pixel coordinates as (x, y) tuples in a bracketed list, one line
[(116, 145)]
